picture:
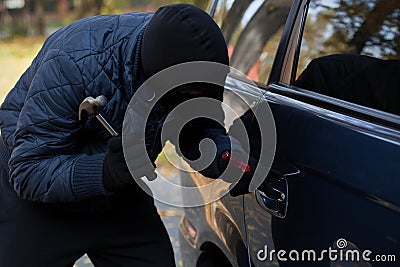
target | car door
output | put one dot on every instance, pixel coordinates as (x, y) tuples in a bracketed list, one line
[(219, 225), (333, 191)]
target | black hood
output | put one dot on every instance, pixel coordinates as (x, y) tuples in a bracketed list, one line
[(183, 33)]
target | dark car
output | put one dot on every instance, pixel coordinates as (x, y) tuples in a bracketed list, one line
[(329, 72)]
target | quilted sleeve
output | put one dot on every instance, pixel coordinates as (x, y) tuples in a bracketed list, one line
[(45, 165)]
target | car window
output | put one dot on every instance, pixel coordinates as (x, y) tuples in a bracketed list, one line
[(351, 50), (252, 30)]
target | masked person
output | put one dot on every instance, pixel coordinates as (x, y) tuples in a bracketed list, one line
[(65, 189)]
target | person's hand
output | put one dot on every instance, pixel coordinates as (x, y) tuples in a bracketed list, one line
[(115, 170), (229, 152), (206, 162), (237, 168), (243, 185)]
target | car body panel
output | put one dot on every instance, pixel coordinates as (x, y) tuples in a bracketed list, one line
[(336, 195), (346, 187)]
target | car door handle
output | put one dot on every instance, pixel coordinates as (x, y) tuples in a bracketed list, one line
[(272, 195), (274, 198)]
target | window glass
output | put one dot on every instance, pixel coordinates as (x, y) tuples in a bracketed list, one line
[(351, 50), (252, 30)]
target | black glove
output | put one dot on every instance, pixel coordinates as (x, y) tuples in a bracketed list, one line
[(236, 157), (226, 146), (189, 147), (115, 171), (242, 186)]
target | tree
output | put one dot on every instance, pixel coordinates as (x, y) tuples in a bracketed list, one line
[(268, 19), (233, 18), (62, 8), (373, 23), (87, 8), (39, 14), (362, 26)]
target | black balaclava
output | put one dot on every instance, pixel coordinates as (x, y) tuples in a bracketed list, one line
[(182, 33)]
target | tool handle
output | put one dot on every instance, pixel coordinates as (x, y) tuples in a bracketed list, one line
[(106, 125)]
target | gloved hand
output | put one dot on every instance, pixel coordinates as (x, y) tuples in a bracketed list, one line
[(225, 147), (189, 148), (242, 186), (115, 171), (242, 167)]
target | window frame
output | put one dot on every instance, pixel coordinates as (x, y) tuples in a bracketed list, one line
[(284, 69)]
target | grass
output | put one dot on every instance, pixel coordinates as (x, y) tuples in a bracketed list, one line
[(16, 55)]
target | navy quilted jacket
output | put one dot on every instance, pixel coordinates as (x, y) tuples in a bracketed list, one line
[(55, 157)]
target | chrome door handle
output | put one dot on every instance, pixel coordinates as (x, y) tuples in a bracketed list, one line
[(274, 200), (272, 195)]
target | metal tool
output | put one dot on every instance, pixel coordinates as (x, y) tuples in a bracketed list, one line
[(226, 156), (91, 105)]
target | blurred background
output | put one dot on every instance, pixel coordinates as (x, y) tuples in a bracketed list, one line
[(42, 17)]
